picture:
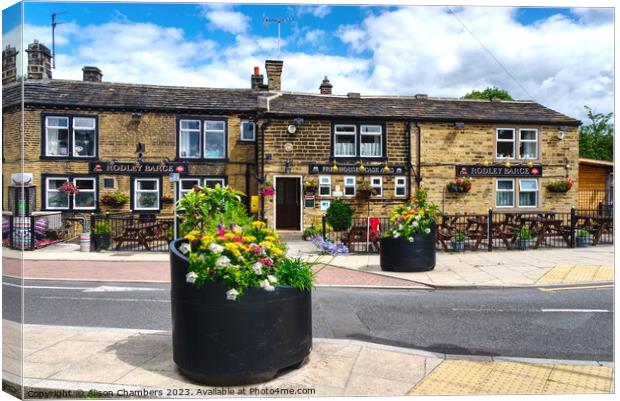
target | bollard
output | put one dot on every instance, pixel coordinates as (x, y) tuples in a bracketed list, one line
[(85, 242)]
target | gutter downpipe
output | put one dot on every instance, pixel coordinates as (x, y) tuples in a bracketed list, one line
[(260, 177), (408, 164), (418, 177)]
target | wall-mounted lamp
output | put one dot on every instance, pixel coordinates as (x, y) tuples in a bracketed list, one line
[(287, 166), (459, 125), (136, 115), (334, 167), (530, 164), (507, 164), (361, 167), (485, 163), (386, 168), (164, 162)]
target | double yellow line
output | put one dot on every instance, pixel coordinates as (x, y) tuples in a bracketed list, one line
[(584, 287)]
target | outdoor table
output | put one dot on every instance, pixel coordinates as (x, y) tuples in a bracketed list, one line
[(446, 229), (476, 229), (597, 225), (544, 224), (143, 233)]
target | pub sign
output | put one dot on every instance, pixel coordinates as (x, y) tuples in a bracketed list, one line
[(476, 170), (315, 168), (111, 167)]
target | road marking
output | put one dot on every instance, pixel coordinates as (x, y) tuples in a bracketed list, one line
[(576, 310), (107, 299), (44, 287), (106, 288), (576, 288)]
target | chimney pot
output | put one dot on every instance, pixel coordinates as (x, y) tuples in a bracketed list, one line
[(39, 61), (274, 74), (256, 70), (326, 87), (91, 74)]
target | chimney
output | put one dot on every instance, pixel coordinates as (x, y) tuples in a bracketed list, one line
[(274, 74), (39, 61), (256, 80), (326, 87), (9, 65), (421, 96), (91, 74)]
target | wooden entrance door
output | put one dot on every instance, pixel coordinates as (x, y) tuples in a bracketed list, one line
[(288, 199)]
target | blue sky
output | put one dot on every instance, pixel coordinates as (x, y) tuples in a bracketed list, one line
[(374, 50)]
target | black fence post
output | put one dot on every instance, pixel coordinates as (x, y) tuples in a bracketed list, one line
[(32, 233), (490, 230), (324, 227), (573, 226), (11, 233), (93, 220)]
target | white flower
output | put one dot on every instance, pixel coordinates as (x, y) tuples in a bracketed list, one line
[(216, 248), (231, 295), (258, 268), (415, 224), (410, 239), (222, 261), (427, 230), (185, 248), (417, 217), (272, 279), (191, 277), (266, 286), (396, 235)]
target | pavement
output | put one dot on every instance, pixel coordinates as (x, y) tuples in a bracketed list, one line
[(532, 268), (61, 359)]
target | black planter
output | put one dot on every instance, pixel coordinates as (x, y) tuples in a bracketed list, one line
[(220, 342), (102, 241), (400, 255)]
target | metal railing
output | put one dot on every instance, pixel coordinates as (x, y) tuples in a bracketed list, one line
[(493, 230), (127, 232)]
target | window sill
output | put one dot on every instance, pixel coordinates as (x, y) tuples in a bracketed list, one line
[(68, 158), (201, 160)]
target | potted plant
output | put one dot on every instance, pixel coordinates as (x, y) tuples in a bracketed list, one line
[(339, 215), (365, 191), (410, 245), (114, 199), (458, 241), (267, 190), (309, 232), (102, 235), (148, 200), (582, 238), (561, 186), (241, 309), (310, 187), (524, 238), (459, 185), (69, 188)]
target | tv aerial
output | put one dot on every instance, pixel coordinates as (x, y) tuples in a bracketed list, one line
[(279, 21), (54, 23)]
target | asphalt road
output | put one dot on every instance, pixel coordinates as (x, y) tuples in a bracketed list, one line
[(562, 324)]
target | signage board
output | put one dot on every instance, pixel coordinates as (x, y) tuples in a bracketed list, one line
[(174, 177), (145, 168), (476, 170), (376, 169)]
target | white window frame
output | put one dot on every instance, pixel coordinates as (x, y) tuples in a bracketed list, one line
[(536, 191), (136, 191), (513, 141), (93, 191), (377, 186), (48, 190), (534, 141), (83, 128), (380, 135), (514, 193), (402, 184), (325, 181), (189, 131), (47, 127), (221, 181), (253, 139), (182, 191), (353, 134), (349, 185), (212, 131)]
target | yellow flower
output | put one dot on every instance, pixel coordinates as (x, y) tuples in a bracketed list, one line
[(267, 244), (270, 238), (258, 224), (190, 237), (237, 232), (249, 238), (229, 235), (276, 251)]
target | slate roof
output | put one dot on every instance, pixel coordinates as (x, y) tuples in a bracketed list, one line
[(106, 95), (67, 93), (429, 109)]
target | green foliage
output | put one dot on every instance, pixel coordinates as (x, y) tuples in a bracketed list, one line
[(101, 227), (596, 139), (296, 273), (459, 236), (414, 217), (488, 94), (524, 234), (309, 232), (114, 199), (581, 233), (339, 215), (204, 208)]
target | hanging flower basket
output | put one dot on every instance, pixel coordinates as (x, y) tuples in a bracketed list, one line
[(561, 186), (459, 185), (310, 187), (267, 190), (365, 191), (69, 189)]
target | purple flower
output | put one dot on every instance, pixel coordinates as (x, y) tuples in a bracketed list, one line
[(328, 247)]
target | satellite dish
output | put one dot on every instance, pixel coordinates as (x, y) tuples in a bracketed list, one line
[(22, 178), (560, 135), (292, 129)]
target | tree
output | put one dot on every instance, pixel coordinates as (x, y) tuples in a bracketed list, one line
[(488, 94), (596, 139)]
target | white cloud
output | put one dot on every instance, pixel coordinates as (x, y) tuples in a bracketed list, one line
[(223, 17), (318, 11), (313, 37), (594, 15)]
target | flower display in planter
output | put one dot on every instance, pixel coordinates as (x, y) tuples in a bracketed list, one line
[(267, 190), (114, 199), (69, 188), (365, 190), (413, 217), (560, 186), (524, 238), (460, 185), (310, 187)]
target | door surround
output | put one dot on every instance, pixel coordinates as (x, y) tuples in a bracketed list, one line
[(301, 209)]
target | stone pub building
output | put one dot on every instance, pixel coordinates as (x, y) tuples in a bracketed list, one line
[(115, 137)]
